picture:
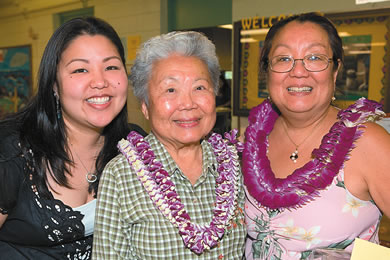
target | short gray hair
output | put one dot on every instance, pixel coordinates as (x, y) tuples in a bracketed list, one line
[(187, 43)]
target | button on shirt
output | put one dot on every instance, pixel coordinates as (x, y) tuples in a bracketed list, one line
[(128, 225)]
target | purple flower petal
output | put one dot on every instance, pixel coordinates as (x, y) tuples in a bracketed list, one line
[(303, 184)]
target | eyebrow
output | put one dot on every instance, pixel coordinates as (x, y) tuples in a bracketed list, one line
[(310, 46), (87, 61), (318, 44), (175, 79), (202, 79)]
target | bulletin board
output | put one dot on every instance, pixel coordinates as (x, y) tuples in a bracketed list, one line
[(365, 38), (15, 78)]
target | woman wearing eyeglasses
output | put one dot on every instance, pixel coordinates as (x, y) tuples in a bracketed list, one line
[(316, 177)]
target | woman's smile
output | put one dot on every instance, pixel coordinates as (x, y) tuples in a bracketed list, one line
[(299, 89)]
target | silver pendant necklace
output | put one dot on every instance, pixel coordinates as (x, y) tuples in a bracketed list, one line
[(294, 155), (90, 176)]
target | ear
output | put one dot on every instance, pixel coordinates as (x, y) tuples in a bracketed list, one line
[(145, 110), (336, 71)]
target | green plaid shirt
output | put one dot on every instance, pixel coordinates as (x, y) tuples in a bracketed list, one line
[(128, 225)]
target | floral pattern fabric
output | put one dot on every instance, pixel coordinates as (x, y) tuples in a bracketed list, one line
[(278, 234), (332, 220)]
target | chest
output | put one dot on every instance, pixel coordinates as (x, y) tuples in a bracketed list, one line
[(36, 221), (281, 153), (333, 217), (146, 225), (75, 195)]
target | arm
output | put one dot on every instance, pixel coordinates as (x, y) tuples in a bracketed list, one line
[(11, 173), (2, 219), (373, 152), (110, 241)]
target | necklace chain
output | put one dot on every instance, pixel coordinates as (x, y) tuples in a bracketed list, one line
[(90, 176), (294, 155), (305, 183)]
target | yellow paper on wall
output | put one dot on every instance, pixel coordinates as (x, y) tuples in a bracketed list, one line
[(133, 43), (363, 250)]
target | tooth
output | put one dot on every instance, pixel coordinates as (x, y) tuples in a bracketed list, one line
[(186, 122), (299, 89), (98, 100)]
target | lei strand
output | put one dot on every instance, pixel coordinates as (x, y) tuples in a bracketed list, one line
[(158, 184), (304, 184)]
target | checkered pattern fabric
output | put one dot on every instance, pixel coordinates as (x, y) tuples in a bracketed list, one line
[(128, 225)]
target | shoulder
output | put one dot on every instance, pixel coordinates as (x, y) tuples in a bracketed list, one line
[(11, 168), (119, 171), (117, 166), (119, 180), (364, 113), (370, 165), (9, 143), (371, 149), (137, 128), (374, 137)]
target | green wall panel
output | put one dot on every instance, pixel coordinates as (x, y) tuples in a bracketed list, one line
[(190, 14)]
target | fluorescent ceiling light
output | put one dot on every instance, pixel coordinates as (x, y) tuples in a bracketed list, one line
[(344, 34), (254, 31), (226, 26), (358, 52), (372, 44), (248, 40)]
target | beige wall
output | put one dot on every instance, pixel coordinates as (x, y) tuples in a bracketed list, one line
[(141, 17), (130, 18), (35, 26)]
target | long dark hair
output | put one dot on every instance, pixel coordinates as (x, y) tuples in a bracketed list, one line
[(40, 128), (334, 39)]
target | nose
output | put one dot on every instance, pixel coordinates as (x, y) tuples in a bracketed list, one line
[(98, 80), (299, 69), (187, 101)]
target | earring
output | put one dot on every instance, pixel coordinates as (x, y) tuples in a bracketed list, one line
[(332, 100), (58, 108)]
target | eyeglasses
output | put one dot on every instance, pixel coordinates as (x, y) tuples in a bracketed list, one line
[(311, 62)]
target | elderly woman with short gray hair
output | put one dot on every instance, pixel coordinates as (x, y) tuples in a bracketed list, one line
[(177, 193)]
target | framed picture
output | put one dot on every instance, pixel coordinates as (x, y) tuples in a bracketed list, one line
[(15, 78), (365, 43), (363, 74)]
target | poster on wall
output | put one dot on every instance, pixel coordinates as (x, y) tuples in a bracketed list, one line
[(249, 85), (15, 78), (362, 74), (353, 77)]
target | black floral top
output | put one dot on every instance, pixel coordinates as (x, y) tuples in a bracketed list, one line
[(36, 228)]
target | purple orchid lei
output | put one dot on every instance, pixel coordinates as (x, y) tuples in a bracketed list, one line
[(162, 192), (304, 184)]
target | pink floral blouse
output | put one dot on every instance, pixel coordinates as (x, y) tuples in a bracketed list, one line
[(332, 220)]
